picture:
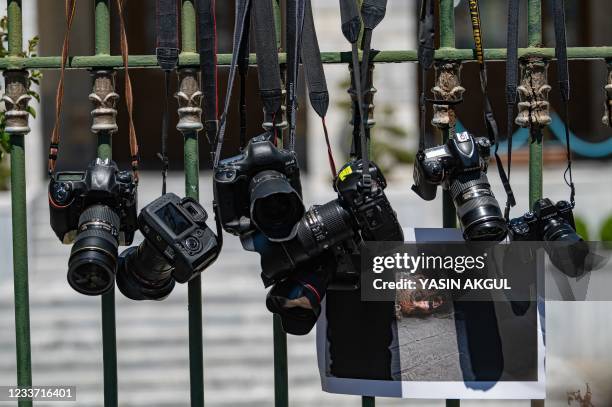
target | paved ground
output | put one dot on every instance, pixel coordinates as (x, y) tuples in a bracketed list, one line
[(152, 337)]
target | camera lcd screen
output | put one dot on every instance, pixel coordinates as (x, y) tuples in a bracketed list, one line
[(70, 177), (173, 219)]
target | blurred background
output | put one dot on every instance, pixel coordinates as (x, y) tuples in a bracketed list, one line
[(152, 337)]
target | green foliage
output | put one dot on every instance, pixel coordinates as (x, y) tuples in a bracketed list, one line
[(581, 227), (605, 233), (34, 78)]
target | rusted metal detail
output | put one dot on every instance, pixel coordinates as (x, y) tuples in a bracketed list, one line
[(16, 100), (607, 117), (448, 88), (533, 105), (104, 99), (189, 99)]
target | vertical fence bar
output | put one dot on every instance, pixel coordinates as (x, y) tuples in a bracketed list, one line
[(447, 40), (16, 85), (534, 36), (104, 151), (281, 371), (188, 77), (534, 39)]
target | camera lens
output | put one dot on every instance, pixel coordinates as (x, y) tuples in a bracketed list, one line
[(324, 226), (275, 206), (556, 229), (478, 210), (297, 300), (144, 274), (93, 257)]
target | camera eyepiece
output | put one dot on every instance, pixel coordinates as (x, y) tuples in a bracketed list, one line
[(276, 207), (478, 211), (93, 257)]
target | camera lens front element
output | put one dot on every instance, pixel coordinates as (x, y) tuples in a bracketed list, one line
[(275, 207), (93, 257)]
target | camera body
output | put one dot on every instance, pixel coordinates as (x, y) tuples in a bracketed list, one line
[(438, 165), (177, 229), (548, 221), (260, 172), (71, 192), (460, 166), (368, 204)]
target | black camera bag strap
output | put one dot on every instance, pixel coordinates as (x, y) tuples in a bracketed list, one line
[(564, 86), (70, 8), (243, 70), (425, 54), (207, 38), (167, 52), (490, 122), (351, 27)]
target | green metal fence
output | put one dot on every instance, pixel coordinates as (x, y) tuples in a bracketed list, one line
[(15, 68)]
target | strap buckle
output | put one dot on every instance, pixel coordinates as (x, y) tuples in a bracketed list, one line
[(167, 57)]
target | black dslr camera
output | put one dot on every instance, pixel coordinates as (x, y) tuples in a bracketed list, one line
[(259, 189), (178, 245), (326, 239), (95, 209), (460, 166), (554, 225)]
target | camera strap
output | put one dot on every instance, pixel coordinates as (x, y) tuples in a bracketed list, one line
[(70, 8), (372, 13), (268, 68), (167, 52), (511, 80), (490, 122), (266, 56), (295, 11), (243, 70), (426, 53), (315, 77), (351, 27), (564, 86), (207, 38)]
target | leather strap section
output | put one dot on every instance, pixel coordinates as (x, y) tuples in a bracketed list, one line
[(166, 24)]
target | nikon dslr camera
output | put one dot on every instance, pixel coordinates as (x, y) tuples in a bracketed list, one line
[(460, 166), (322, 251), (95, 209), (178, 245), (259, 189), (554, 225)]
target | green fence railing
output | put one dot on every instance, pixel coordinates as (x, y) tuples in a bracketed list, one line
[(102, 65)]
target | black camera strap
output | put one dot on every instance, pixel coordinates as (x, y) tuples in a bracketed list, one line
[(315, 77), (207, 38), (490, 122), (270, 87), (372, 13), (351, 27), (70, 8), (426, 53), (511, 80), (167, 53), (243, 70), (564, 86), (240, 22), (295, 24)]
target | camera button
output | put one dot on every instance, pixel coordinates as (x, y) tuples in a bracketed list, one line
[(192, 244), (199, 232)]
